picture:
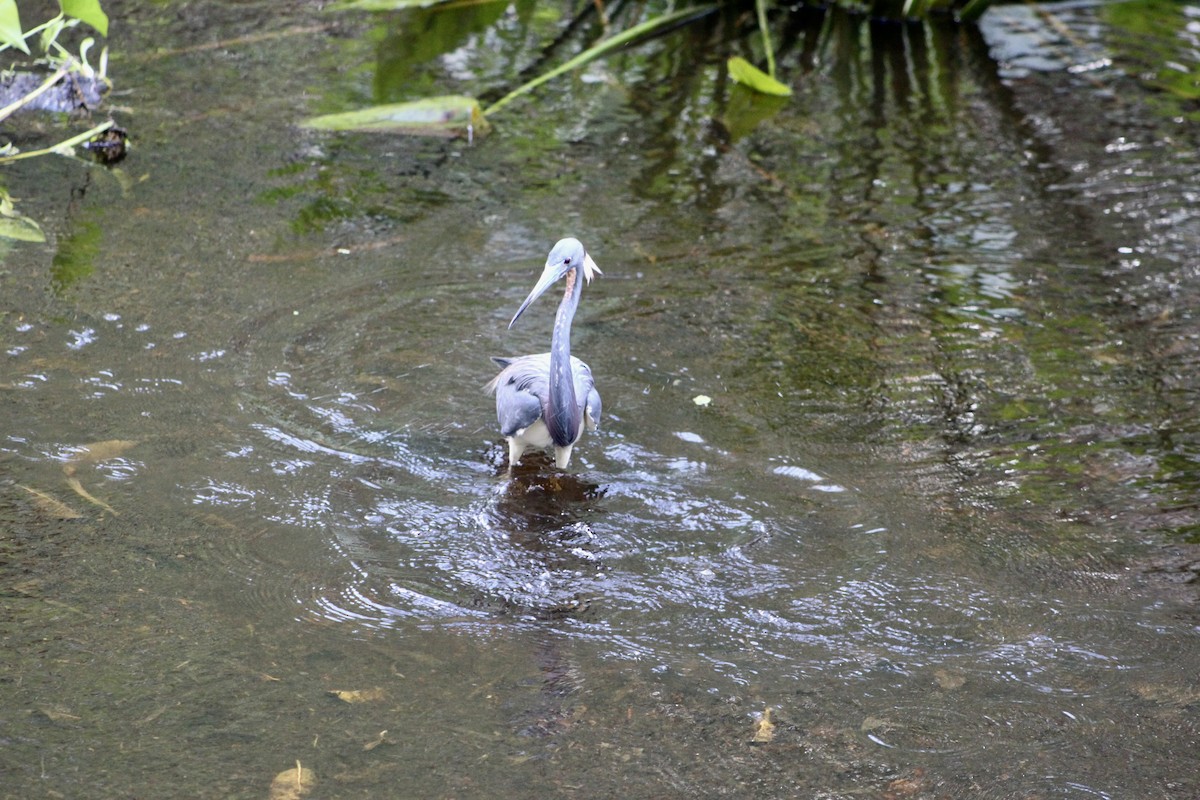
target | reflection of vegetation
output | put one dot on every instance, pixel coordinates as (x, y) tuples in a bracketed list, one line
[(463, 115), (440, 115), (75, 257), (603, 48), (330, 195), (870, 171), (1159, 38), (1158, 41), (424, 35)]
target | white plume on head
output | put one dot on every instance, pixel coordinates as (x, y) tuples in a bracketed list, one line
[(590, 270)]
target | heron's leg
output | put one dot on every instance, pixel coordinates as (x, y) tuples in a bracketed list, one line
[(562, 456), (515, 448)]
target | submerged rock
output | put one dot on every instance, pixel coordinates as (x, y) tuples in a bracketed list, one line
[(71, 93)]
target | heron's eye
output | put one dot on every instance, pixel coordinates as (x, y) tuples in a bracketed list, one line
[(566, 260)]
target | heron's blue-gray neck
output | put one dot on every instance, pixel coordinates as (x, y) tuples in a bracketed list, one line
[(562, 415)]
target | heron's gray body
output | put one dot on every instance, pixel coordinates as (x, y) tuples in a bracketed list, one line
[(522, 396), (549, 398)]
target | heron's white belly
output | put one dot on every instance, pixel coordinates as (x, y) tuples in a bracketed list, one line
[(536, 435)]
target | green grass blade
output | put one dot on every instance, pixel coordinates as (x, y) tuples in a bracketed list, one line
[(760, 7)]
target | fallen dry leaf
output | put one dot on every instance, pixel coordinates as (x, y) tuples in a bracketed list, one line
[(875, 723), (292, 784), (1167, 695), (358, 695), (58, 715), (905, 787), (378, 740), (77, 487), (948, 680), (96, 452), (764, 729), (51, 506)]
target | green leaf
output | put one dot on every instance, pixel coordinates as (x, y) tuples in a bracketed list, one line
[(88, 11), (17, 226), (754, 78), (21, 229), (449, 115), (11, 33)]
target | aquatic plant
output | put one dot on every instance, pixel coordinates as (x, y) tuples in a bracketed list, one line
[(454, 115), (71, 83)]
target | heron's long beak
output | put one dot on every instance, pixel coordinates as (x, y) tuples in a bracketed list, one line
[(551, 274)]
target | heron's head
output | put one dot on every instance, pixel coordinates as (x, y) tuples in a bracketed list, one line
[(566, 258)]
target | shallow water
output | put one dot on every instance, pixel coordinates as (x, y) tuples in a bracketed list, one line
[(940, 302)]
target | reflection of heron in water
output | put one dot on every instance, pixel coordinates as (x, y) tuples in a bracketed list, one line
[(548, 398), (542, 521), (545, 508)]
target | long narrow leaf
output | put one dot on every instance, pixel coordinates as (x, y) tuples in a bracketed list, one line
[(450, 115), (601, 48)]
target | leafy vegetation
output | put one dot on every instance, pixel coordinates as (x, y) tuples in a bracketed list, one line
[(70, 75)]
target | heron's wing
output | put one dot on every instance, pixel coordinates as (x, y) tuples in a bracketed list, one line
[(519, 389), (585, 392), (593, 410)]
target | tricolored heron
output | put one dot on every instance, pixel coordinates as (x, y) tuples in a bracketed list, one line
[(548, 398)]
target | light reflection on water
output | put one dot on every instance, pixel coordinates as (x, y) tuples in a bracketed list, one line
[(695, 562), (643, 554)]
